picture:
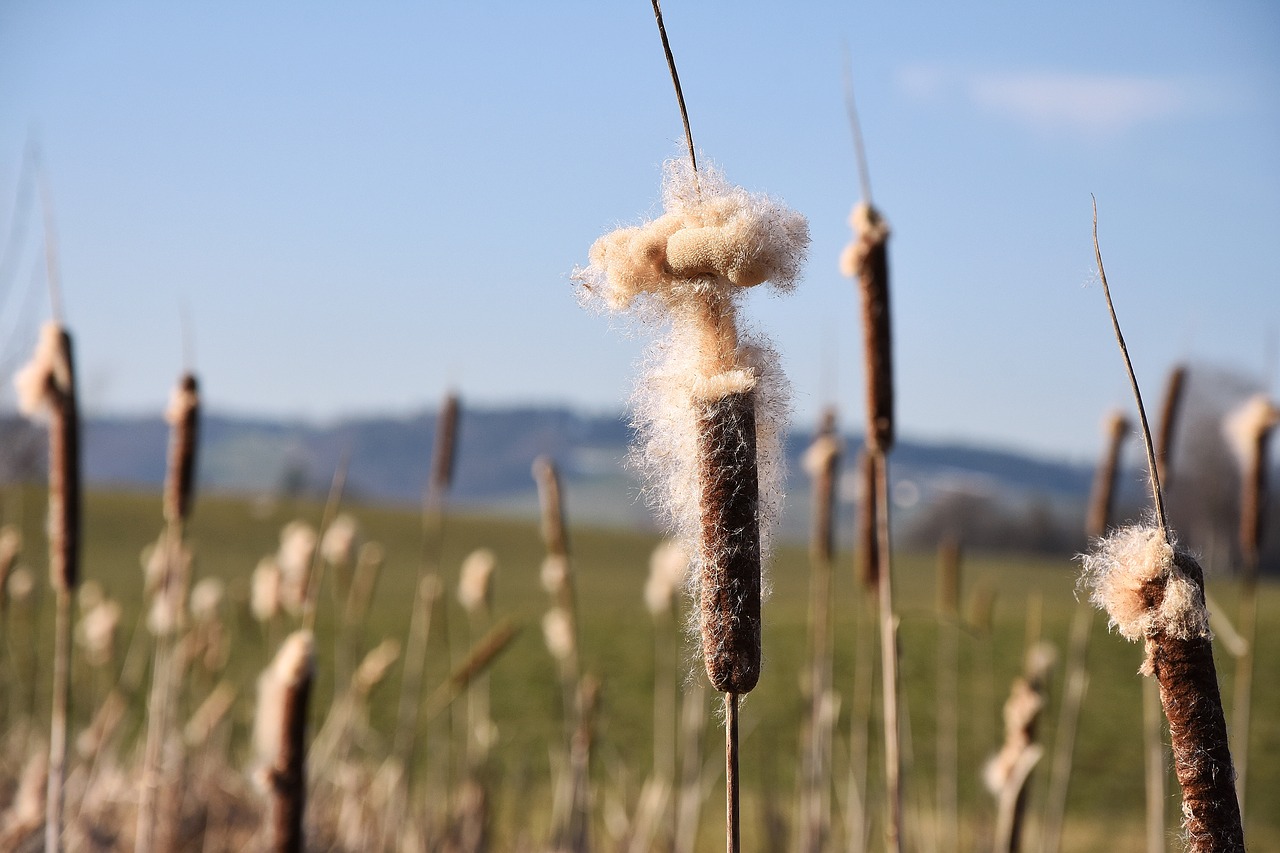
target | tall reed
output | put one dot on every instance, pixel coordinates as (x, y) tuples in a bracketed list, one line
[(284, 691), (47, 387), (1153, 590)]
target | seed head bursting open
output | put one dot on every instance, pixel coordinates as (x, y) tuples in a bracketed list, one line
[(711, 403)]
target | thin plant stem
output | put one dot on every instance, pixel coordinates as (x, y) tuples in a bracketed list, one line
[(58, 720), (675, 79), (1157, 499), (859, 150), (733, 829), (888, 662), (1077, 684), (1153, 745)]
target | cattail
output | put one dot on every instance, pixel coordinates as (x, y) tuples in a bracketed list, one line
[(284, 690), (375, 666), (949, 557), (668, 568), (1169, 422), (445, 450), (341, 538), (206, 597), (96, 632), (296, 553), (709, 410), (821, 462), (475, 581), (46, 386), (557, 633), (1248, 430), (264, 590), (867, 259), (1007, 772), (183, 416), (20, 585), (1102, 498), (1154, 592)]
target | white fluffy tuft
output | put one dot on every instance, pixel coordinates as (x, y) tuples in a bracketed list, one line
[(1124, 571), (34, 379), (1251, 421)]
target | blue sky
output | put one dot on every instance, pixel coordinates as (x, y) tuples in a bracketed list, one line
[(360, 205)]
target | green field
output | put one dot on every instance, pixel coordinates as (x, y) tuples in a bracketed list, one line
[(1105, 807)]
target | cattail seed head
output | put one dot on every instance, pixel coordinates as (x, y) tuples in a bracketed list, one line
[(375, 665), (821, 461), (475, 582), (280, 736), (296, 553), (445, 450), (709, 409), (1154, 590), (96, 632), (264, 590), (340, 540), (206, 597), (1248, 430), (21, 584), (183, 416), (46, 385), (668, 568), (867, 260), (1169, 411), (1115, 427), (557, 633)]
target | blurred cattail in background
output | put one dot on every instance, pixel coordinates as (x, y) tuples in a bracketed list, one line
[(47, 388), (1115, 426), (1175, 386), (284, 690)]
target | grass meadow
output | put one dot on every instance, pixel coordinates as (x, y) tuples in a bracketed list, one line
[(1028, 598)]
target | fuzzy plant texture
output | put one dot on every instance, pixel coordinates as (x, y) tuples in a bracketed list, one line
[(684, 273)]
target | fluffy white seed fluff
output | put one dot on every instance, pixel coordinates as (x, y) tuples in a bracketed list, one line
[(555, 573), (96, 632), (868, 229), (1246, 424), (1118, 568), (686, 271), (264, 590), (668, 568), (293, 663), (297, 549), (45, 367), (557, 632), (181, 402), (339, 543), (475, 580), (206, 598)]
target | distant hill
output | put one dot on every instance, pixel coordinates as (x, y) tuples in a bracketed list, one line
[(390, 458)]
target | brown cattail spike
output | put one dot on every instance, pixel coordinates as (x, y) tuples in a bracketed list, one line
[(1169, 422), (821, 462), (1250, 428), (1154, 591), (867, 259), (730, 543), (445, 450), (284, 691), (1102, 497), (183, 416)]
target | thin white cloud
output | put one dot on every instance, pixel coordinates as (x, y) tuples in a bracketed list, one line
[(1094, 105)]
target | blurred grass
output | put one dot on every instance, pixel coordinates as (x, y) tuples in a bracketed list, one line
[(1105, 808)]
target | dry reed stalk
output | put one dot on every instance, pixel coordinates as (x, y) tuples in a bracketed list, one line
[(856, 808), (1153, 765), (1154, 591), (868, 551), (821, 463), (1102, 497), (946, 695), (1172, 406), (1067, 728), (475, 594), (693, 716), (158, 775), (445, 451), (47, 386), (280, 733)]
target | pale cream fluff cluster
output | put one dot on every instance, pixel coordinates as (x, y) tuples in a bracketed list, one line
[(294, 662), (46, 368), (1120, 572), (686, 270)]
